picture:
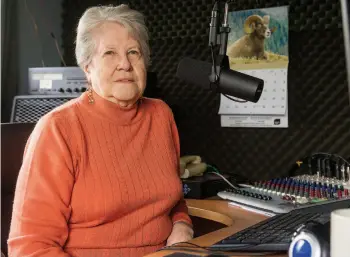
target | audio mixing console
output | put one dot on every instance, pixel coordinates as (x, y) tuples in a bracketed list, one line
[(282, 195)]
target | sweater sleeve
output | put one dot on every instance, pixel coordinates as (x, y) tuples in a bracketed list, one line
[(180, 211), (41, 208)]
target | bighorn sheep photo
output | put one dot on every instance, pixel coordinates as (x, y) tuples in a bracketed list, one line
[(252, 45)]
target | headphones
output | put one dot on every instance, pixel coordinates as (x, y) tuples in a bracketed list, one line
[(311, 239)]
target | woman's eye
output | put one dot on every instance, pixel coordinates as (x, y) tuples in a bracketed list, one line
[(109, 53), (133, 52)]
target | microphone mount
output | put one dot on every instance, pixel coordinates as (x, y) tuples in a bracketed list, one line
[(218, 36)]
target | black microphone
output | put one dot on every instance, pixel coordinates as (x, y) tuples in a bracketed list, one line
[(229, 82)]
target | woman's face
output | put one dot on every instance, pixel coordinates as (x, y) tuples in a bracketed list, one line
[(117, 71)]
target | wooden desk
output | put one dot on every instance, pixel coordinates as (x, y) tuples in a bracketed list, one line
[(234, 218)]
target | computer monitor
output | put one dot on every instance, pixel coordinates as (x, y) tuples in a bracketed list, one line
[(345, 7)]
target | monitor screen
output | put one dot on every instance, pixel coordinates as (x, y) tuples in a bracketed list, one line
[(346, 31)]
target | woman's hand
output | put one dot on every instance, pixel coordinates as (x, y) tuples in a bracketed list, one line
[(181, 233)]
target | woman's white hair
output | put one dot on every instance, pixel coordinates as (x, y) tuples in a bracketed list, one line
[(95, 16)]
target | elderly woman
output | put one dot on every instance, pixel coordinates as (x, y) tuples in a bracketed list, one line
[(100, 174)]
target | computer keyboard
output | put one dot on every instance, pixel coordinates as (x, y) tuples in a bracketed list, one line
[(275, 234)]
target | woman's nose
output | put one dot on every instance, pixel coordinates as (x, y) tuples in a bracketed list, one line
[(123, 63)]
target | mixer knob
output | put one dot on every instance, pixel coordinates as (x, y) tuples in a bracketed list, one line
[(324, 189), (312, 193), (322, 192), (333, 193), (266, 184), (339, 193), (318, 193), (336, 187), (269, 185), (306, 193)]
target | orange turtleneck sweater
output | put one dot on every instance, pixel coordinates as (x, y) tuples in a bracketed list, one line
[(98, 180)]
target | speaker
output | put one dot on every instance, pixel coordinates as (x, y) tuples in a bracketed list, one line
[(30, 108)]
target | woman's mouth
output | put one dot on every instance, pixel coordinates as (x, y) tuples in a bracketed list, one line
[(125, 80)]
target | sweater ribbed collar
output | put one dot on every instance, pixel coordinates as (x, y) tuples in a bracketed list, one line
[(103, 108)]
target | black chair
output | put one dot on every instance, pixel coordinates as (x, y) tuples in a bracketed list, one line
[(13, 140)]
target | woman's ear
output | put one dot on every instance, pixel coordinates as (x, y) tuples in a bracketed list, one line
[(87, 72), (86, 69)]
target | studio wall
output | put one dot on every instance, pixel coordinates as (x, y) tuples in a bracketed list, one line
[(319, 108)]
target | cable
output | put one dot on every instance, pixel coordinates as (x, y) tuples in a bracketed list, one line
[(58, 49), (331, 155), (237, 176), (313, 156), (212, 167), (228, 182), (36, 31)]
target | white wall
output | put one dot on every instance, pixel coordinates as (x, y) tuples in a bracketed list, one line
[(47, 14)]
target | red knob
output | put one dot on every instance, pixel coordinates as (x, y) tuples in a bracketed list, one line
[(339, 194)]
